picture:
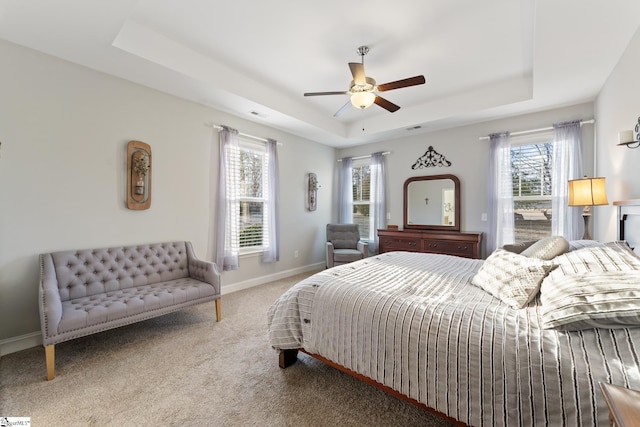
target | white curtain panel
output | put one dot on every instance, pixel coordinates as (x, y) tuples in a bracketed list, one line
[(272, 214), (346, 192), (378, 200), (566, 220), (500, 207), (228, 211)]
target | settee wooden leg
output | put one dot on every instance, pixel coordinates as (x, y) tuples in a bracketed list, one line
[(287, 358), (50, 356), (218, 310)]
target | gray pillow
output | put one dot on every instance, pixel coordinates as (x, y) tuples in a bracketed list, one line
[(547, 248), (518, 247), (513, 278)]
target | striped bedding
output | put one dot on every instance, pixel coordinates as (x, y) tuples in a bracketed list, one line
[(415, 323)]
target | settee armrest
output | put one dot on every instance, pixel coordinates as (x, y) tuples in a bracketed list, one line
[(205, 271), (50, 303), (364, 248)]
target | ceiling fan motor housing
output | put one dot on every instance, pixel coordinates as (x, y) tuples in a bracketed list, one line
[(369, 86)]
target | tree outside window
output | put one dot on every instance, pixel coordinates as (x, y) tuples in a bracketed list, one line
[(253, 177), (531, 173)]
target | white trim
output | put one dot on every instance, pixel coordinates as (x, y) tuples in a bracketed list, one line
[(19, 343), (235, 287)]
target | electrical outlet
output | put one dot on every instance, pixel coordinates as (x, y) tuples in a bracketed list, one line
[(295, 254), (483, 217)]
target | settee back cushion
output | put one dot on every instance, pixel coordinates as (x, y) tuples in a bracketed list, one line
[(90, 272)]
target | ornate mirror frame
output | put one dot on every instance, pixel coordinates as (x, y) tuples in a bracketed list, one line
[(410, 193)]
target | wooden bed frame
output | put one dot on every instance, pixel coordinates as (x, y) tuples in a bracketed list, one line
[(287, 358)]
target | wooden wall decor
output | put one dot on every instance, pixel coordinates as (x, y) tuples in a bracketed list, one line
[(139, 169)]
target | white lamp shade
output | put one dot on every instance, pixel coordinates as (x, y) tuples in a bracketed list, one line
[(625, 137), (363, 100), (587, 192)]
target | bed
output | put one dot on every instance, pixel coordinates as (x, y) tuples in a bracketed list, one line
[(419, 326)]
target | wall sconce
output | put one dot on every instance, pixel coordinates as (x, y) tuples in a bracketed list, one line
[(312, 191), (626, 137), (587, 192)]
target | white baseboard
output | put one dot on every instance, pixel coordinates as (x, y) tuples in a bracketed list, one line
[(22, 342), (34, 339), (235, 287)]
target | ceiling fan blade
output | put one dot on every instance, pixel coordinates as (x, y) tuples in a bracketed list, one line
[(357, 70), (325, 93), (411, 81), (387, 105), (343, 109)]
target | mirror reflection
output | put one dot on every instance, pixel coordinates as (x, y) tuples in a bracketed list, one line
[(432, 202)]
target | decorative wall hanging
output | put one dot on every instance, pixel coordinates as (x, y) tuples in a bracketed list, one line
[(431, 159), (138, 175), (312, 191)]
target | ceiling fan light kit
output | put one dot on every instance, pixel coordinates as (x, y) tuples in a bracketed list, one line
[(362, 89), (363, 100)]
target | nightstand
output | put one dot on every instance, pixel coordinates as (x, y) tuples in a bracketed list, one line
[(623, 403)]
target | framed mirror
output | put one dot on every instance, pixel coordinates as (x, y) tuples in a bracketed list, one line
[(432, 203)]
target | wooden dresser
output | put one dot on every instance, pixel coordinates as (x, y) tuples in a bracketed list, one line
[(440, 242)]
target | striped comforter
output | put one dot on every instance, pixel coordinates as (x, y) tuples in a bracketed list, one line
[(415, 323)]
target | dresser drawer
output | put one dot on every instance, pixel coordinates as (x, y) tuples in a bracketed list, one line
[(435, 242), (388, 244), (465, 249)]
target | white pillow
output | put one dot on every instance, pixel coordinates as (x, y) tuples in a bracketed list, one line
[(547, 248), (609, 299), (513, 278)]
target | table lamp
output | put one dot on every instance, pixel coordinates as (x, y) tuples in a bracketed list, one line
[(587, 192)]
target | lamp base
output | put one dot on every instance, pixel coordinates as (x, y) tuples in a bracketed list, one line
[(586, 235)]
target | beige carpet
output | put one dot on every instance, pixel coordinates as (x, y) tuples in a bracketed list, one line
[(186, 369)]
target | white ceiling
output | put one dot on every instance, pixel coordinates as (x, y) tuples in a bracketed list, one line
[(481, 59)]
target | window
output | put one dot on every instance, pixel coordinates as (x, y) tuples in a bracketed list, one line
[(361, 180), (253, 196), (531, 172)]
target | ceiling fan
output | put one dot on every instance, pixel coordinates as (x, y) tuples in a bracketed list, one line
[(363, 89)]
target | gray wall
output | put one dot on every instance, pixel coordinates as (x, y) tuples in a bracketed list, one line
[(468, 156), (64, 130), (617, 109)]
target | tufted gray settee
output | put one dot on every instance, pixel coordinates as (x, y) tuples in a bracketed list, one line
[(87, 291)]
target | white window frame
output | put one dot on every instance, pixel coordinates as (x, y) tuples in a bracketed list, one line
[(359, 163), (248, 145)]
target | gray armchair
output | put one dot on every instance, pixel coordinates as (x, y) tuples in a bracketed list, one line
[(344, 244)]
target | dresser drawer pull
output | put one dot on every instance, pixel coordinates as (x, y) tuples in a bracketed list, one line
[(412, 244)]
